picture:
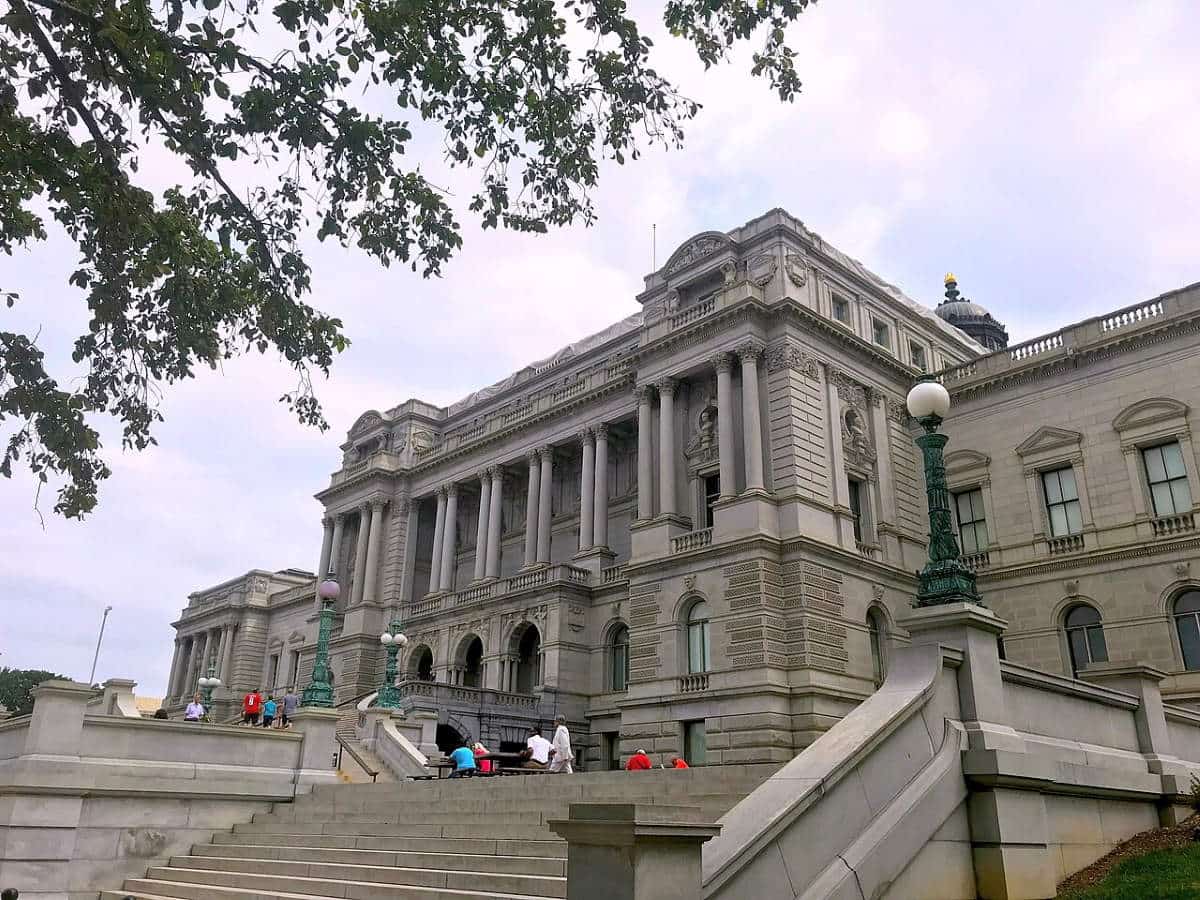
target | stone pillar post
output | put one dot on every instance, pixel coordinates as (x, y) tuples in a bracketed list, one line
[(450, 538), (326, 551), (600, 513), (494, 524), (544, 504), (435, 561), (621, 851), (360, 554), (531, 509), (173, 677), (226, 671), (185, 668), (587, 491), (319, 726), (666, 446), (723, 363), (645, 463), (751, 420), (371, 577), (201, 661), (335, 550), (481, 527)]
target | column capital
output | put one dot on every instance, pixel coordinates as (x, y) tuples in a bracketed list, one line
[(451, 490), (585, 434), (326, 521), (546, 451), (600, 430), (400, 507), (339, 517), (666, 386), (531, 456), (484, 474), (377, 502), (643, 393), (750, 350), (721, 362), (496, 473)]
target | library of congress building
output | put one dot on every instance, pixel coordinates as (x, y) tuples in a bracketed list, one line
[(698, 530)]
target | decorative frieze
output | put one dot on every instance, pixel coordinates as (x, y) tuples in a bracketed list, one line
[(789, 356)]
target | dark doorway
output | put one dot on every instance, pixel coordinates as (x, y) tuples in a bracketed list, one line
[(421, 665), (529, 661), (448, 739), (473, 665)]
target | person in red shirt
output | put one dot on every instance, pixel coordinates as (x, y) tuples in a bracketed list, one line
[(678, 763), (638, 762), (252, 707)]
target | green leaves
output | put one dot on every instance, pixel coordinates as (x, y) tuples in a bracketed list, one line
[(205, 271)]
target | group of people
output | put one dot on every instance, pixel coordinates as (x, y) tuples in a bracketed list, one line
[(641, 761), (552, 756), (272, 713)]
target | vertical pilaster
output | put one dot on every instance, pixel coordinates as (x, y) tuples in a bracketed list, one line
[(587, 491), (837, 461), (226, 672), (173, 676), (600, 513), (544, 504), (371, 578), (450, 537), (494, 524), (531, 509), (326, 548), (481, 529), (360, 554), (751, 419), (439, 527), (645, 463), (409, 513), (666, 446), (723, 363)]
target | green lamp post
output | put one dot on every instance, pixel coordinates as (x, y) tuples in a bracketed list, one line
[(319, 691), (945, 578), (393, 641), (207, 684)]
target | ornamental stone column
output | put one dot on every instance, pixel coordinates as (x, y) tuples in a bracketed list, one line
[(544, 504), (226, 672), (531, 509), (666, 446), (435, 561), (370, 581), (494, 524), (360, 553), (751, 421), (450, 536), (326, 550), (723, 363), (481, 528), (185, 670), (173, 676), (600, 513), (645, 463), (587, 491)]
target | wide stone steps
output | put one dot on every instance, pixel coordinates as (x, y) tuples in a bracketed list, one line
[(462, 828), (553, 846), (156, 889), (526, 863)]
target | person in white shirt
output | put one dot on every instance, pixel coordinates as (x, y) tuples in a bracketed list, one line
[(561, 747), (195, 710), (537, 751)]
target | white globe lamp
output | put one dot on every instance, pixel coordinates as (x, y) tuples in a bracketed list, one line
[(928, 398)]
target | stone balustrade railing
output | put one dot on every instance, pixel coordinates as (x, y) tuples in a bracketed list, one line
[(1071, 543), (1169, 526), (1035, 347), (437, 694), (689, 684), (693, 540), (976, 561), (692, 313), (1131, 315), (612, 574), (479, 593)]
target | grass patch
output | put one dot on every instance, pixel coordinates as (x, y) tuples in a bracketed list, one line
[(1161, 875)]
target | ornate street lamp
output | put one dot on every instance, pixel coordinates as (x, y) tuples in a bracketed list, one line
[(394, 642), (319, 691), (207, 684), (945, 578)]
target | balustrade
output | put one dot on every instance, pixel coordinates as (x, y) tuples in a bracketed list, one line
[(692, 313), (976, 561), (1131, 315), (1036, 346), (1071, 543), (689, 684), (693, 540), (612, 574), (1168, 526)]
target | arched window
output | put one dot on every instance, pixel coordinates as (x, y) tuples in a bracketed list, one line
[(1085, 637), (1187, 625), (876, 630), (473, 664), (618, 659), (420, 665), (529, 661), (699, 657)]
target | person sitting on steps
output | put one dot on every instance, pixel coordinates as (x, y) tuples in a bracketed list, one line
[(536, 754), (464, 760), (639, 762)]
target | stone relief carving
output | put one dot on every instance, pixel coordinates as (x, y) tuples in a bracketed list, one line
[(789, 356), (1071, 586), (696, 250), (877, 591), (259, 585), (421, 438), (796, 267), (897, 411), (729, 271), (761, 269), (143, 842), (365, 423), (702, 446), (856, 441), (296, 637)]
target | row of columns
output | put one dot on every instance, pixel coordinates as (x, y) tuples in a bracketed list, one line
[(593, 492), (366, 557), (192, 655)]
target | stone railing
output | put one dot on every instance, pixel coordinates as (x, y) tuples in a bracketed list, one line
[(976, 561), (612, 574), (1035, 347), (1071, 543), (527, 580), (692, 313), (689, 684), (425, 605), (568, 391), (1169, 526), (693, 540), (474, 594), (867, 549), (480, 593), (437, 694), (1131, 315)]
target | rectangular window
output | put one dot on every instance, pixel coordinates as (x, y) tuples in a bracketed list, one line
[(273, 671), (611, 748), (1167, 479), (294, 669), (712, 492), (857, 499), (1062, 502), (841, 310), (972, 526), (694, 746), (881, 334), (917, 352)]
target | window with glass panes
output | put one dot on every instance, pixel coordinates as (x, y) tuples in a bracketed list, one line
[(697, 636), (841, 310), (1187, 626), (619, 659), (917, 352), (881, 334), (712, 493), (1085, 637), (875, 631), (856, 507), (972, 525), (1167, 479), (1062, 502), (695, 746)]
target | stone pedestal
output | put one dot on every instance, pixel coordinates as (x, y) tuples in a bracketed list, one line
[(652, 539), (621, 851), (319, 727), (752, 514), (118, 698), (593, 559)]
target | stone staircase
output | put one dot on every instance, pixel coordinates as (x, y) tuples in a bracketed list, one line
[(351, 770), (460, 839)]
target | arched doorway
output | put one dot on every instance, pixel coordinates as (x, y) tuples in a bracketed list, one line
[(448, 739), (529, 660), (473, 664), (420, 664)]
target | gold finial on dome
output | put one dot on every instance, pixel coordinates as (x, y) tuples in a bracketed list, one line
[(950, 278)]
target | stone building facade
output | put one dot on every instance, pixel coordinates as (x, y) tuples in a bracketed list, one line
[(692, 531)]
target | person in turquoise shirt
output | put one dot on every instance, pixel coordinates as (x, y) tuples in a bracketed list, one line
[(269, 712), (464, 761)]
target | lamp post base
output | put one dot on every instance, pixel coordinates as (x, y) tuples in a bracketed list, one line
[(947, 581)]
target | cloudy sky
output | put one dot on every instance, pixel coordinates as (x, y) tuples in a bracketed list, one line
[(1048, 154)]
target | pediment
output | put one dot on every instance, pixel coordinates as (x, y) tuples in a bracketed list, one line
[(695, 249), (1150, 412), (366, 422), (1048, 438), (962, 460)]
